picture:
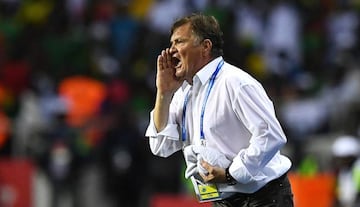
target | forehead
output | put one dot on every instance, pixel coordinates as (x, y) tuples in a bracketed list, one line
[(182, 31)]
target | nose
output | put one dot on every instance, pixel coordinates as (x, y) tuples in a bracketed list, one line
[(172, 49)]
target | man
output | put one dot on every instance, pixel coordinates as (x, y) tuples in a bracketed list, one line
[(221, 118)]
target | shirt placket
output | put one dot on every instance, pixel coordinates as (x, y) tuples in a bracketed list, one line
[(196, 110)]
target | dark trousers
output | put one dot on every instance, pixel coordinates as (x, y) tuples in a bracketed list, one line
[(276, 193)]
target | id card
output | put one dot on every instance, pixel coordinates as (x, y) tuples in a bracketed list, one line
[(205, 192)]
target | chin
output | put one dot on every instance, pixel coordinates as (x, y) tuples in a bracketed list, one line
[(180, 73), (179, 77)]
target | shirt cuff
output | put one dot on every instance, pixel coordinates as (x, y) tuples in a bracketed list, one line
[(170, 131), (240, 173)]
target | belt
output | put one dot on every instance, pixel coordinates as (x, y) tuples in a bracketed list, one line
[(270, 186)]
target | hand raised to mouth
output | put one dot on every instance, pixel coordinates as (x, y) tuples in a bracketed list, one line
[(167, 81)]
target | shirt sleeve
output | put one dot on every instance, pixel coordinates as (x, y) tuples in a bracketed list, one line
[(165, 142), (256, 111)]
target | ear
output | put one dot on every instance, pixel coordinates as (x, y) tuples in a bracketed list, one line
[(207, 46)]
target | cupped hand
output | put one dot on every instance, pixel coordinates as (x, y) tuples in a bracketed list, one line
[(166, 81)]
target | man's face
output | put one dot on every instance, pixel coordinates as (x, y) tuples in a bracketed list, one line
[(187, 52)]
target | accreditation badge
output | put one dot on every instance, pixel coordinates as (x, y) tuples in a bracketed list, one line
[(205, 192)]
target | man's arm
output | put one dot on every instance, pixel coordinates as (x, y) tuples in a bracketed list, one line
[(166, 84), (161, 110)]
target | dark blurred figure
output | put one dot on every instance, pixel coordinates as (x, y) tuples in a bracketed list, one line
[(122, 158), (62, 162), (346, 151)]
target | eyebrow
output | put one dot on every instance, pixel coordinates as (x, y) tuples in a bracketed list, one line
[(178, 39)]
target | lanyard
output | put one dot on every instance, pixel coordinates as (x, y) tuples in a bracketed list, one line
[(211, 84)]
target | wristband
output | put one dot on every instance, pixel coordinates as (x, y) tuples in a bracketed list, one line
[(229, 179)]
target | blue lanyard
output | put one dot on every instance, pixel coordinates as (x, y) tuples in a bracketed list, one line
[(211, 84)]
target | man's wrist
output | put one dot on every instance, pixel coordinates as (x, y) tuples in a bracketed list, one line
[(229, 179)]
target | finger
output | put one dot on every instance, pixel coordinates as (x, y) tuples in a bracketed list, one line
[(163, 59), (168, 57), (165, 56), (160, 62), (207, 178), (204, 177)]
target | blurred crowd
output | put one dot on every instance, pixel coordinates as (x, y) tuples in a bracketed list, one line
[(77, 83)]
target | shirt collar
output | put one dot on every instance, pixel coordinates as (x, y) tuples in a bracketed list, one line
[(205, 73)]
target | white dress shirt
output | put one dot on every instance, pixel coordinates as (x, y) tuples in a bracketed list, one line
[(239, 121)]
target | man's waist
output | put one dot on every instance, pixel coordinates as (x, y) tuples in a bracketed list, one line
[(249, 188), (263, 190)]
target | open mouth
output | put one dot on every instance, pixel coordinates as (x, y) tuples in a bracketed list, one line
[(176, 62)]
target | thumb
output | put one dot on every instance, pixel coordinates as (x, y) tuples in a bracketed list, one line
[(205, 165), (201, 168)]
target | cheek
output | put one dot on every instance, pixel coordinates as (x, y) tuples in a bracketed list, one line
[(181, 73), (190, 59)]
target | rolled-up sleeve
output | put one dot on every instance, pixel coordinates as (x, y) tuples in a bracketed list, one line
[(165, 142)]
